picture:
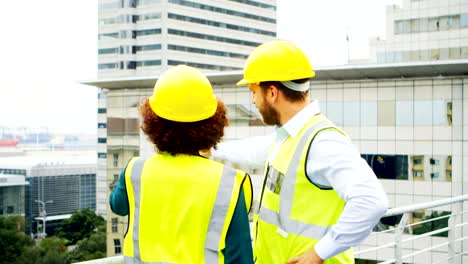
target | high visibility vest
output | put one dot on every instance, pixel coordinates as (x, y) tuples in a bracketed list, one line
[(295, 213), (180, 208)]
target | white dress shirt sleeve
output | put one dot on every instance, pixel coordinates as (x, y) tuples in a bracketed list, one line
[(250, 152), (334, 161)]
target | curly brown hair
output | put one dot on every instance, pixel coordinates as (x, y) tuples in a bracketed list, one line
[(183, 137)]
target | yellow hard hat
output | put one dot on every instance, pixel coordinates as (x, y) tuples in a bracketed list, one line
[(183, 94), (276, 60)]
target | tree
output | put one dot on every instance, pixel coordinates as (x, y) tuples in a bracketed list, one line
[(433, 225), (14, 243), (90, 248), (52, 250), (81, 225)]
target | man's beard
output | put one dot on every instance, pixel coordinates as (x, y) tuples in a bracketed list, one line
[(270, 115)]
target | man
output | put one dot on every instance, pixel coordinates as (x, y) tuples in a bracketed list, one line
[(319, 197), (183, 207)]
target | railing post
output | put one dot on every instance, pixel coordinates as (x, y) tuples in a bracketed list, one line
[(398, 238), (452, 234)]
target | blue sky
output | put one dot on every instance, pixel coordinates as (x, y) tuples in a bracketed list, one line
[(49, 46)]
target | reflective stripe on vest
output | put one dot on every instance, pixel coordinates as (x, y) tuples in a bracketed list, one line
[(217, 219), (283, 220)]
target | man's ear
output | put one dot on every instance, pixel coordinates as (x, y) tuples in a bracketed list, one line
[(273, 93)]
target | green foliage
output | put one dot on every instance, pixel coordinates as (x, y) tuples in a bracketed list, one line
[(51, 250), (84, 228), (90, 248), (433, 225), (80, 226), (13, 241)]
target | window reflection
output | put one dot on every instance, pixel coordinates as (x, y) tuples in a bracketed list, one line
[(368, 114), (404, 113), (351, 114)]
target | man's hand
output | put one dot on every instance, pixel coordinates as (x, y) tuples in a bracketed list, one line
[(310, 257)]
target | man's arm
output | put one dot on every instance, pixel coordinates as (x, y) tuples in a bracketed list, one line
[(334, 161), (247, 153)]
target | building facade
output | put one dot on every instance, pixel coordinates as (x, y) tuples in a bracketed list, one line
[(143, 38), (12, 186), (423, 30), (407, 120), (55, 185)]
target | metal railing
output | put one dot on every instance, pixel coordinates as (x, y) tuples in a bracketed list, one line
[(397, 244)]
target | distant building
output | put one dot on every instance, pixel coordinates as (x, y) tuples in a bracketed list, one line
[(55, 185), (145, 37), (423, 30), (12, 186)]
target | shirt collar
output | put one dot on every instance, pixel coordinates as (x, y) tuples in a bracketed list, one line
[(295, 124)]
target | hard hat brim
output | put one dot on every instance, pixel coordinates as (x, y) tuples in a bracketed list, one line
[(243, 82)]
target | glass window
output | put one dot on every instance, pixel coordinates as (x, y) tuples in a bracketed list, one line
[(449, 113), (117, 246), (417, 160), (405, 56), (454, 53), (386, 113), (464, 20), (390, 56), (406, 26), (335, 112), (116, 159), (115, 225), (414, 25), (423, 24), (351, 114), (435, 54), (397, 56), (398, 27), (404, 113), (414, 55), (433, 24), (464, 52), (368, 114), (388, 166), (443, 23), (440, 113), (444, 53), (453, 22), (423, 113), (423, 55)]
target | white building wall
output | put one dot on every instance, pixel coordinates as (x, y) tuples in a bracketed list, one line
[(444, 43)]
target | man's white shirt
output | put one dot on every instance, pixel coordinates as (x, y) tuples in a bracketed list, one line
[(333, 161)]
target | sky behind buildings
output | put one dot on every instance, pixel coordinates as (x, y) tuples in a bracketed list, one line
[(49, 46)]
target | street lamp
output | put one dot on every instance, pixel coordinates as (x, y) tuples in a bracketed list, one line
[(44, 215)]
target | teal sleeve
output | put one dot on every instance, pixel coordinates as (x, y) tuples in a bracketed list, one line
[(118, 198), (238, 241)]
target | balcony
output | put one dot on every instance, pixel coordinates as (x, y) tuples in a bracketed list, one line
[(399, 243)]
